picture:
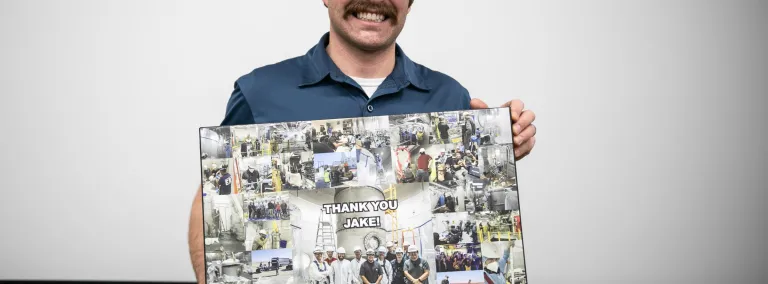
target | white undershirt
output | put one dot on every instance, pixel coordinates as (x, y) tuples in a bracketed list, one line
[(369, 85)]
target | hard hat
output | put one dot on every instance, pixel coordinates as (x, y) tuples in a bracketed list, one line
[(398, 250), (405, 244), (263, 232), (389, 244), (490, 250), (382, 250), (422, 151), (318, 250), (340, 250), (369, 252), (357, 248), (412, 249)]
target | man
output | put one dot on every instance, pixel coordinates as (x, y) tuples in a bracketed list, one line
[(260, 243), (322, 84), (329, 254), (390, 251), (251, 178), (494, 263), (422, 162), (319, 270), (445, 281), (225, 182), (357, 262), (342, 268), (398, 277), (406, 245), (468, 130), (442, 128), (244, 148), (370, 271), (416, 270), (385, 265)]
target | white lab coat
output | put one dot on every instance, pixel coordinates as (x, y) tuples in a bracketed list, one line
[(342, 271), (319, 272), (386, 277), (356, 270)]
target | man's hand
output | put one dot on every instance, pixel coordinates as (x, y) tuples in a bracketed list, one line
[(523, 129)]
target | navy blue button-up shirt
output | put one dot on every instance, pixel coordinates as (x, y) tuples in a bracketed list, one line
[(311, 87)]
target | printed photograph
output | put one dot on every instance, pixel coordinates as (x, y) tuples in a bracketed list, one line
[(228, 267), (286, 137), (334, 170), (272, 266), (218, 178), (224, 228), (358, 220), (447, 126), (267, 235), (283, 171), (249, 141), (446, 199), (271, 206), (374, 167), (343, 135), (215, 143), (483, 198), (491, 126), (454, 228), (503, 262), (461, 277), (446, 165), (495, 226), (411, 130), (453, 258), (497, 166)]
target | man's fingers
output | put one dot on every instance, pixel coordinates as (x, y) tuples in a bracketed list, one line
[(527, 133), (515, 108), (477, 104), (525, 149), (525, 120)]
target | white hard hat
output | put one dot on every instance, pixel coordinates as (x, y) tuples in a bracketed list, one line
[(340, 250), (412, 249), (318, 250), (358, 249), (398, 250), (382, 250), (262, 232), (369, 252), (490, 250), (422, 151), (389, 244), (405, 244)]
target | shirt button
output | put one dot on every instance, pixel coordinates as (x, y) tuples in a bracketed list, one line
[(370, 108)]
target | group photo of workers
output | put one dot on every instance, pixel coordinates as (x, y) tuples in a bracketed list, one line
[(444, 164), (228, 267), (411, 130), (496, 226), (334, 170), (266, 207), (503, 262), (267, 235), (451, 258), (223, 224), (454, 228), (275, 138), (215, 143), (272, 266), (461, 277), (217, 177)]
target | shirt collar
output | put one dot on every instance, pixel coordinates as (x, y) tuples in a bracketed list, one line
[(321, 66)]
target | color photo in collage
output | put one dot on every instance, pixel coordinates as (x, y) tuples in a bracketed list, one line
[(315, 202)]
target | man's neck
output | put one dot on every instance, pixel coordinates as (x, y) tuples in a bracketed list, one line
[(359, 63)]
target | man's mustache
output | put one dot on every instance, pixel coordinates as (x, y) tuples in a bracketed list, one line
[(376, 7)]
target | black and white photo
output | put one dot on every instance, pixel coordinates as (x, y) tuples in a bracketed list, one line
[(228, 267), (215, 143)]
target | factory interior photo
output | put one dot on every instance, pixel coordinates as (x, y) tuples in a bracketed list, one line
[(336, 169), (275, 173), (217, 177), (215, 143), (461, 277), (228, 267), (343, 135)]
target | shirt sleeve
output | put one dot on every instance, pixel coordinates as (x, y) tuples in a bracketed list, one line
[(238, 110)]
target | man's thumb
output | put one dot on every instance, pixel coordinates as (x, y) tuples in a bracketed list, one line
[(477, 104)]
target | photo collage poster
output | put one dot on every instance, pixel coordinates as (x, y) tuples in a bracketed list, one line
[(400, 199)]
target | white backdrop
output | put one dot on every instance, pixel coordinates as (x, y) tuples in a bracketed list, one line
[(643, 171)]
